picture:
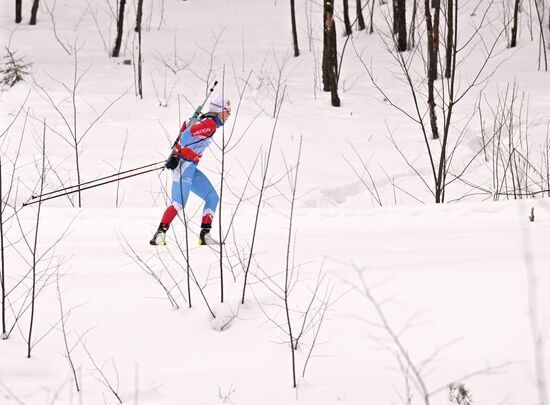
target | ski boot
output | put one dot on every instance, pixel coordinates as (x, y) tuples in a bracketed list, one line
[(159, 238), (204, 236)]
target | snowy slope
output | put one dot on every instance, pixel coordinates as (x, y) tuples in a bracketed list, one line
[(458, 281)]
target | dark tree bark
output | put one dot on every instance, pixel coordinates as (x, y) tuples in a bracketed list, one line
[(34, 11), (513, 40), (330, 56), (139, 15), (294, 31), (18, 17), (2, 269), (360, 18), (412, 29), (347, 23), (371, 29), (400, 24), (325, 60), (432, 32), (450, 36), (394, 25), (120, 29)]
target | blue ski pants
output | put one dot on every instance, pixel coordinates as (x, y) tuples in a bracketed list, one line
[(188, 178)]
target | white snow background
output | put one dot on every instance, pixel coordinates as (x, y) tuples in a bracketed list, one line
[(463, 286)]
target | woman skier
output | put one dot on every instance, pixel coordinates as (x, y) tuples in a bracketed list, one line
[(187, 177)]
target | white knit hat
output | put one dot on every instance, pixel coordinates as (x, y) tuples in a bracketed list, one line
[(218, 104)]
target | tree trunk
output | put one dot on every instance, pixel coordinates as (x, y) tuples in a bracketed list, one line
[(330, 56), (360, 19), (139, 14), (347, 23), (400, 24), (18, 17), (120, 29), (294, 32), (450, 36), (35, 246), (412, 30), (394, 22), (432, 33), (371, 30), (435, 59), (34, 11), (513, 40), (325, 60), (2, 268)]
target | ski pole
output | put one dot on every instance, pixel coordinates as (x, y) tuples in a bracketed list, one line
[(93, 181), (92, 186)]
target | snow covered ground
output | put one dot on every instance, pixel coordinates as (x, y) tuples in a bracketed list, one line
[(462, 286)]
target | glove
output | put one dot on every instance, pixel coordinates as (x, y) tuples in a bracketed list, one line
[(172, 162)]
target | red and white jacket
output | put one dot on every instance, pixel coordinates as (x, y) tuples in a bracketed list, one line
[(195, 139)]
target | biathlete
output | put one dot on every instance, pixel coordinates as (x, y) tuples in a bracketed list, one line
[(186, 177)]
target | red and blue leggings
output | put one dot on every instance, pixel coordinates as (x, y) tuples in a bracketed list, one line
[(188, 178)]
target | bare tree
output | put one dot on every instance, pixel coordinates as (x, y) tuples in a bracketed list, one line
[(3, 260), (330, 54), (278, 83), (50, 11), (64, 317), (220, 208), (287, 285), (412, 29), (400, 24), (262, 190), (450, 39), (371, 29), (294, 32), (112, 387), (511, 160), (119, 198), (138, 30), (35, 247), (227, 144), (18, 7), (449, 95), (301, 318), (34, 11), (542, 39), (75, 136), (414, 371), (513, 40), (120, 29), (360, 18), (5, 194), (432, 32), (156, 275), (347, 24)]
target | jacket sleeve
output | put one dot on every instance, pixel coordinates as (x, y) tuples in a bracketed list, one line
[(203, 129), (183, 127)]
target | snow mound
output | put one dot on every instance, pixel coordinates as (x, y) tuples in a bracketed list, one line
[(224, 316)]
